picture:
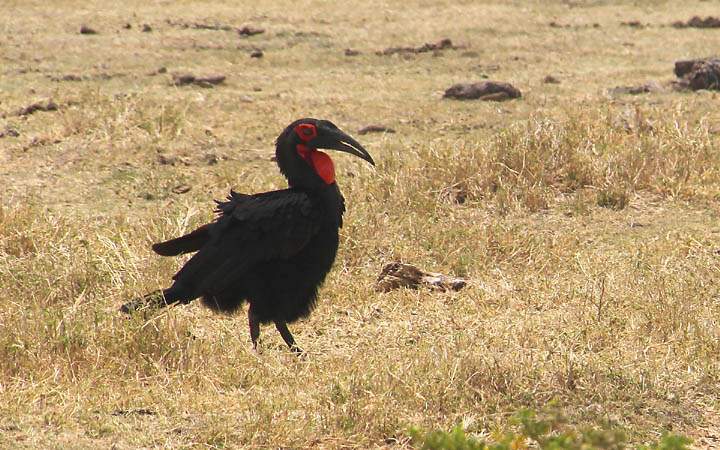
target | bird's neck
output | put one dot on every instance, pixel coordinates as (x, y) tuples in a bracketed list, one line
[(319, 162), (304, 167)]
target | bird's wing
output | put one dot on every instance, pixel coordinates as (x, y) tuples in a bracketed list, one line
[(251, 229), (196, 239)]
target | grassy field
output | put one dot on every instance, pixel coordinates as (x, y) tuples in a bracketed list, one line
[(586, 223)]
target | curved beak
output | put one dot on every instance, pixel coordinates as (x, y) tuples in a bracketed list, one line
[(337, 140)]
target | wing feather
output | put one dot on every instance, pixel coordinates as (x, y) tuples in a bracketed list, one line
[(251, 229)]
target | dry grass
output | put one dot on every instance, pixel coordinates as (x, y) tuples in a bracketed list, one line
[(587, 225)]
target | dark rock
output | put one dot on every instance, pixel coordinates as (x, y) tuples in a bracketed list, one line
[(146, 28), (127, 26), (549, 79), (257, 54), (351, 52), (484, 90)]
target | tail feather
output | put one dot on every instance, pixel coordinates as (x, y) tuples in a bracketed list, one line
[(158, 299), (191, 242)]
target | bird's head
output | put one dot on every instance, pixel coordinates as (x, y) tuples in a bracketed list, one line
[(300, 160)]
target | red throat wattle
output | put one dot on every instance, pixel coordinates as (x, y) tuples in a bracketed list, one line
[(319, 161)]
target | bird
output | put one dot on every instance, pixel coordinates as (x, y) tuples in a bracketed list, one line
[(272, 250)]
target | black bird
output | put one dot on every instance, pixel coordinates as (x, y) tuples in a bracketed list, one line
[(271, 249)]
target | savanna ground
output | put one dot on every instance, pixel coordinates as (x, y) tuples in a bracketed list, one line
[(586, 224)]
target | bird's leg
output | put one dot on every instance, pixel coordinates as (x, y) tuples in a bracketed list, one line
[(288, 337), (254, 325)]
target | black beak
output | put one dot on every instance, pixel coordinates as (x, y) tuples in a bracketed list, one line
[(337, 140)]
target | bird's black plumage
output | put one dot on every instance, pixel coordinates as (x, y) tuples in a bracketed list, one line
[(271, 249)]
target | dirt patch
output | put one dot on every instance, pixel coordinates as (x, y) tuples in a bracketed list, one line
[(484, 90), (698, 74), (375, 129), (397, 275), (442, 44), (351, 52), (188, 78), (698, 22)]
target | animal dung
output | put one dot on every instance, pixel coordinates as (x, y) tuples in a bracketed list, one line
[(188, 78), (699, 73), (181, 189), (442, 44), (397, 275), (250, 31), (650, 86), (35, 107), (698, 22), (484, 90), (84, 29), (375, 129)]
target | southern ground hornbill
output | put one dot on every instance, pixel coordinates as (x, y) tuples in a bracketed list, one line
[(271, 249)]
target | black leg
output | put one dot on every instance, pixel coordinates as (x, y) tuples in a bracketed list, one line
[(254, 325), (288, 337)]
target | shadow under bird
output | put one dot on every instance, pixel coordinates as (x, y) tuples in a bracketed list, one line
[(271, 249)]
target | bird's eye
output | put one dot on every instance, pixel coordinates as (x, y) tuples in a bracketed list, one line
[(306, 131)]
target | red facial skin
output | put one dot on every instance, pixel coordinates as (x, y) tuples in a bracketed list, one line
[(319, 161)]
